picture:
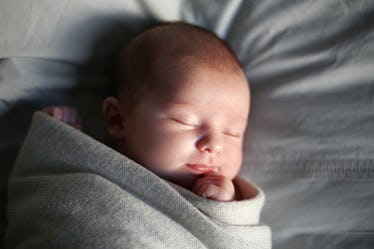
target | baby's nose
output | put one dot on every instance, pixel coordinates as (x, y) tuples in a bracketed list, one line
[(211, 143)]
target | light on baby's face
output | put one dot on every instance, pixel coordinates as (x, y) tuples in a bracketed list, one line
[(194, 125)]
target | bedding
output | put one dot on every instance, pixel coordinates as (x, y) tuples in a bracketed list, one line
[(68, 190), (309, 142)]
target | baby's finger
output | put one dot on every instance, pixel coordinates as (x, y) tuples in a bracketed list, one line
[(216, 187), (210, 191), (204, 188), (70, 115), (213, 178), (53, 111)]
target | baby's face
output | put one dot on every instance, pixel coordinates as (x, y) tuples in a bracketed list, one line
[(191, 126)]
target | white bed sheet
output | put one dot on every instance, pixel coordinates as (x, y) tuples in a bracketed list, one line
[(310, 141)]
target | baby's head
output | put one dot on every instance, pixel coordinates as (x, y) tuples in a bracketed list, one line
[(182, 104)]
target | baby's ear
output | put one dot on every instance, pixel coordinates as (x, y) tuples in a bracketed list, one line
[(114, 117)]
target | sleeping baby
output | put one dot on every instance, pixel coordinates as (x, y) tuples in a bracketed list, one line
[(181, 109), (178, 119)]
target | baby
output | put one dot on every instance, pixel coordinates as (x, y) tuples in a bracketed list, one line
[(181, 108)]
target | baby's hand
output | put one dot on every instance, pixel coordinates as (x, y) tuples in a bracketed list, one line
[(215, 187), (68, 115)]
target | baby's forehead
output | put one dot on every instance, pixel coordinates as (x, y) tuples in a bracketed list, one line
[(176, 67), (169, 79)]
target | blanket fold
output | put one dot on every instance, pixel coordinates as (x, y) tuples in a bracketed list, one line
[(68, 190)]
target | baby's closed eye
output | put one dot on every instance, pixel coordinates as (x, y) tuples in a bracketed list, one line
[(232, 133), (186, 120)]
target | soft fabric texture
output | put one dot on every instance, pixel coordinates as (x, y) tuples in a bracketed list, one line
[(309, 143), (71, 191)]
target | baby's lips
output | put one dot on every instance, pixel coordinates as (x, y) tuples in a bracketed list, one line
[(213, 172), (202, 168)]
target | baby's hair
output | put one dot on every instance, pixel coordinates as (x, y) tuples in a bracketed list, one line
[(169, 47)]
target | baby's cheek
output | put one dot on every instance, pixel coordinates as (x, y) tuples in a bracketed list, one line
[(179, 143), (233, 165), (166, 150)]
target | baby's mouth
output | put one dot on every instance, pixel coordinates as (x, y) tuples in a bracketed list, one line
[(199, 169)]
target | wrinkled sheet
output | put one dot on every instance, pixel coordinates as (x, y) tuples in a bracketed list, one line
[(310, 142)]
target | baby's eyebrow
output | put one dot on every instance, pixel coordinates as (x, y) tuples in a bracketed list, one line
[(239, 117), (188, 107), (172, 105)]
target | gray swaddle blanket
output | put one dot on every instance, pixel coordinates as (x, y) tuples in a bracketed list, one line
[(68, 190)]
